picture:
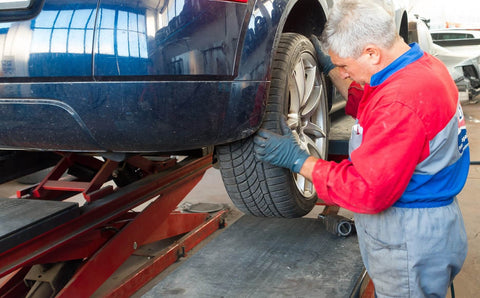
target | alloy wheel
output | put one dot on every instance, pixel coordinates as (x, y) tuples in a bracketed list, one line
[(307, 115)]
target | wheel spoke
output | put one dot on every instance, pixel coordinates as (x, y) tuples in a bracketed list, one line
[(310, 73), (294, 93), (316, 148), (305, 185), (314, 130), (292, 120), (313, 102), (299, 76)]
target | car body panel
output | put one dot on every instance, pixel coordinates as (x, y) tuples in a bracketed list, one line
[(139, 97), (141, 76), (459, 41), (162, 117)]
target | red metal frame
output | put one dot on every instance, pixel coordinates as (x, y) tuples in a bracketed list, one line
[(158, 264), (107, 231), (369, 291)]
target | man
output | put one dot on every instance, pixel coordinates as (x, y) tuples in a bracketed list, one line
[(409, 153)]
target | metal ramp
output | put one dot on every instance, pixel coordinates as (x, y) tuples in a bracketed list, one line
[(269, 257), (22, 220)]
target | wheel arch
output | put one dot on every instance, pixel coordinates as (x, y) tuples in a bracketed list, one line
[(298, 16), (305, 17)]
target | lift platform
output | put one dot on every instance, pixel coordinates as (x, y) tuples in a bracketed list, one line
[(270, 257), (50, 246)]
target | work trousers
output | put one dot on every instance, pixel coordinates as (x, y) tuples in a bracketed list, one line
[(412, 252)]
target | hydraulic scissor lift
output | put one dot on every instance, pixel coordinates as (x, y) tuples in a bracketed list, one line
[(51, 246)]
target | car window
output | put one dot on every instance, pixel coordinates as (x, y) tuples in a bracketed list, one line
[(451, 35)]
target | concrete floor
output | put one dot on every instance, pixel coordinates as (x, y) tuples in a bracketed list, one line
[(467, 283)]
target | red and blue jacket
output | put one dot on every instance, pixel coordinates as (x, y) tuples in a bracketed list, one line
[(409, 146)]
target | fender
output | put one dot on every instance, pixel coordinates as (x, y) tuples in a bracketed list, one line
[(261, 33)]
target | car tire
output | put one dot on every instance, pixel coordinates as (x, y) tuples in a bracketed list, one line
[(297, 93)]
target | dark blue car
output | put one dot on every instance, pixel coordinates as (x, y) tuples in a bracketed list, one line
[(148, 77)]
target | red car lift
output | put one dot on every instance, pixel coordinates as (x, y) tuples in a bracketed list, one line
[(45, 239)]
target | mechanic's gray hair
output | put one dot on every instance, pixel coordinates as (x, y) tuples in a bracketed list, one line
[(352, 24)]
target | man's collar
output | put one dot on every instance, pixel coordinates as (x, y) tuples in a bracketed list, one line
[(408, 57)]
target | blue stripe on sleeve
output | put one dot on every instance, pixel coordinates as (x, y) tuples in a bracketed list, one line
[(438, 189)]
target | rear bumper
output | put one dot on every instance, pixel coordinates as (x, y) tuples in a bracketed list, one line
[(147, 116)]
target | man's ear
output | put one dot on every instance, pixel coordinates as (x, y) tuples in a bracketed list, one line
[(374, 54)]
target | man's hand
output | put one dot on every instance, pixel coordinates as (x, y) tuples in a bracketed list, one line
[(323, 59), (279, 150), (328, 68)]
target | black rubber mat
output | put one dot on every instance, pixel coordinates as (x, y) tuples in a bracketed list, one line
[(22, 220), (268, 257)]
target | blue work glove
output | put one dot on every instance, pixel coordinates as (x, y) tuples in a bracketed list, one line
[(323, 59), (279, 150)]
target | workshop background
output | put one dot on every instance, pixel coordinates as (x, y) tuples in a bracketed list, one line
[(461, 13)]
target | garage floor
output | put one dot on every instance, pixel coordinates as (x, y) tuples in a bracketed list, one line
[(467, 284)]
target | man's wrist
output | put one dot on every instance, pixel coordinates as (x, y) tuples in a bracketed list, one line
[(308, 166)]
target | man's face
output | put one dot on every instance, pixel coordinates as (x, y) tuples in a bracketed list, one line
[(359, 69)]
